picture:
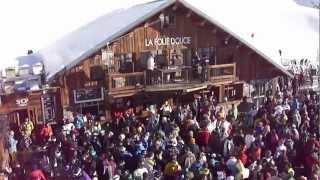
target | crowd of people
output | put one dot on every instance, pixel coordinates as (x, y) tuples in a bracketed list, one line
[(200, 140), (304, 71)]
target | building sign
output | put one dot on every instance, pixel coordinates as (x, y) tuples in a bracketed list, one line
[(22, 102), (48, 107), (88, 95), (168, 41)]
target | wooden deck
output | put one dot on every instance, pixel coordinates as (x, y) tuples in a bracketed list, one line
[(176, 86), (132, 83)]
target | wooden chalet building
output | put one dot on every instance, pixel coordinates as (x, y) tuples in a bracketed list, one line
[(24, 96), (170, 51), (39, 106)]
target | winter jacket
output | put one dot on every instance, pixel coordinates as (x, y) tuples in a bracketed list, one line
[(37, 175), (78, 122), (203, 137), (13, 145)]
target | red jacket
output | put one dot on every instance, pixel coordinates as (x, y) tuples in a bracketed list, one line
[(46, 132), (312, 143), (203, 136), (37, 175), (243, 158)]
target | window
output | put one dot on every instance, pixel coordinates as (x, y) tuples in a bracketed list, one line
[(10, 72), (24, 70), (125, 62), (172, 20), (107, 58), (128, 57), (167, 21), (91, 84), (208, 54), (78, 68), (97, 60)]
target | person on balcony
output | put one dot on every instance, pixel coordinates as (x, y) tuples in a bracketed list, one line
[(150, 69), (196, 65), (204, 69)]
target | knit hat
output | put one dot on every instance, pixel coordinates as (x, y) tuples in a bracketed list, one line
[(291, 172), (204, 171), (173, 142), (190, 175), (230, 178), (122, 137), (139, 129), (122, 149)]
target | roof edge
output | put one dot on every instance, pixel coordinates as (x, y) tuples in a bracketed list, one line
[(114, 36)]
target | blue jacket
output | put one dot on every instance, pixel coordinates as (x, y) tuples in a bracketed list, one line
[(295, 104), (78, 122), (13, 144)]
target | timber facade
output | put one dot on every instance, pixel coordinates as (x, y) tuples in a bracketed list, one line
[(191, 54)]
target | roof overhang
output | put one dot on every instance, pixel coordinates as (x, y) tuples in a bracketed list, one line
[(134, 24)]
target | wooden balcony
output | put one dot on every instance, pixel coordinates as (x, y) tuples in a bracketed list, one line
[(222, 73), (174, 78), (128, 82), (172, 75)]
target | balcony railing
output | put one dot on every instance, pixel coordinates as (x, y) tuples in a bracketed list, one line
[(172, 75), (126, 81), (223, 72), (170, 78)]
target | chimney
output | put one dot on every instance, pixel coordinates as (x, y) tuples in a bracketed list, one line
[(30, 52)]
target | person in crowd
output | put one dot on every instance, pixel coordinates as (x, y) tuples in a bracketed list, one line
[(78, 121), (28, 127), (36, 174), (166, 109), (46, 132), (12, 147)]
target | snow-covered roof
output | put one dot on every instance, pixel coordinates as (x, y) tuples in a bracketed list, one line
[(274, 25), (79, 44), (28, 60)]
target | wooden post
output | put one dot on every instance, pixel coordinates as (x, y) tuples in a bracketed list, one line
[(221, 93), (29, 115), (109, 82), (234, 70), (144, 78), (18, 118)]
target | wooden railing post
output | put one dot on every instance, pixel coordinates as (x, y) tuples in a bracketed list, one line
[(110, 82), (144, 78), (234, 71)]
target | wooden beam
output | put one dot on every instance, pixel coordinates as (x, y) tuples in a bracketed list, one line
[(250, 53), (214, 31), (239, 45), (175, 6), (188, 15), (226, 40), (203, 23)]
